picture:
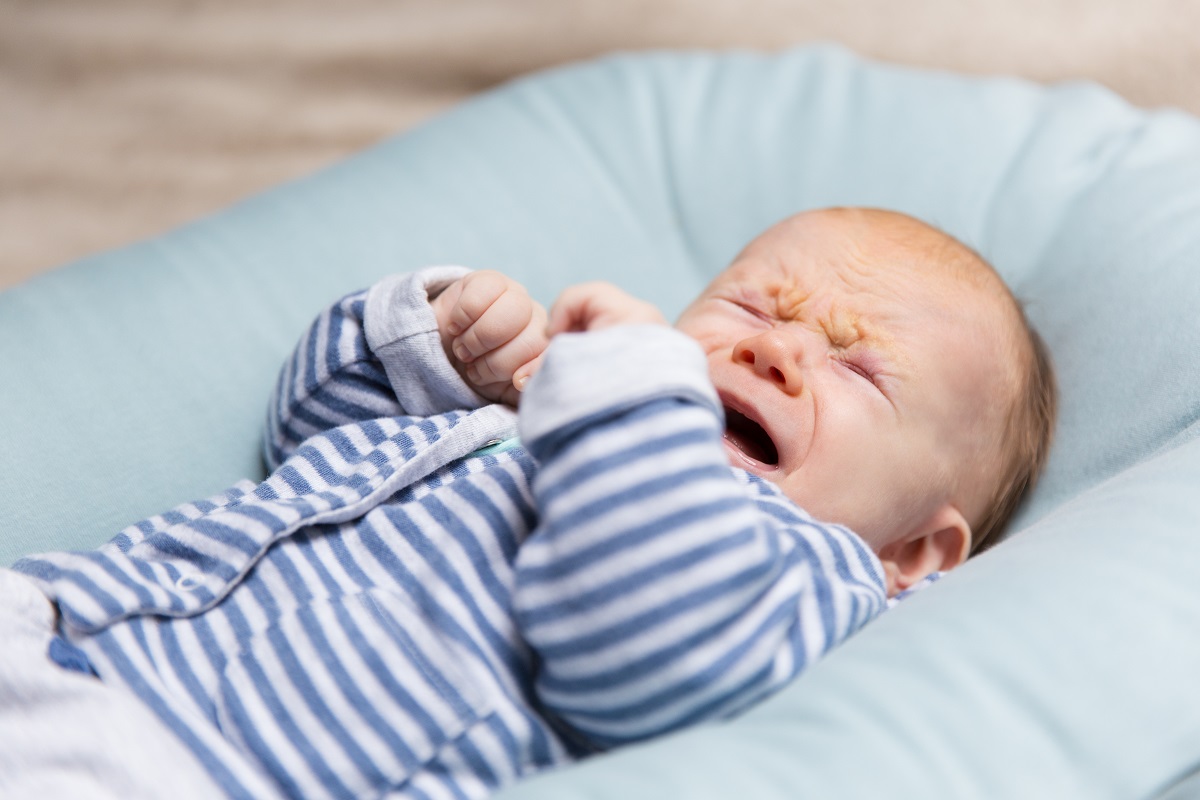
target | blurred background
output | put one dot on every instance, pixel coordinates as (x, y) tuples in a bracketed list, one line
[(120, 119)]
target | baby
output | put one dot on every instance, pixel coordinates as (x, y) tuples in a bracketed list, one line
[(434, 595), (948, 422)]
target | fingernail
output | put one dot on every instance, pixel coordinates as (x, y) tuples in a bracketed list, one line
[(462, 352), (520, 382), (453, 328)]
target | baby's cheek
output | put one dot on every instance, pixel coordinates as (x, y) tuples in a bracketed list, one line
[(709, 342), (861, 496)]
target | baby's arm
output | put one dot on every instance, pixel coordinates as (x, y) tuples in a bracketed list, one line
[(387, 351), (330, 379), (660, 588)]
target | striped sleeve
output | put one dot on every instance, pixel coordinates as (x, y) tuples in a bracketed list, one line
[(663, 588), (331, 379), (375, 353)]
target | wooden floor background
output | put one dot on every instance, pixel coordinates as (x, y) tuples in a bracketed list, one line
[(123, 118)]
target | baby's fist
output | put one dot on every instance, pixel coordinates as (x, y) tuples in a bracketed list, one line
[(592, 306), (493, 332)]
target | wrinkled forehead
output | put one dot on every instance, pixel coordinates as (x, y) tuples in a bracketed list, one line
[(863, 258), (870, 242), (888, 280)]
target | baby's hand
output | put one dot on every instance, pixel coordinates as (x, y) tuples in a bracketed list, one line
[(592, 306), (493, 332)]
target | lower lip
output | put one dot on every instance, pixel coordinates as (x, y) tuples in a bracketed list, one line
[(740, 459)]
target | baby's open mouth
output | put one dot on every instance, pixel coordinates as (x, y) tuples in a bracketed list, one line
[(750, 438)]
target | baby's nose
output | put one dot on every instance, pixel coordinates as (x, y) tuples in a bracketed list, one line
[(773, 357)]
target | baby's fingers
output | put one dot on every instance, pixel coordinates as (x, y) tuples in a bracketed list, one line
[(503, 321), (596, 305), (473, 296), (526, 371), (509, 392), (502, 364)]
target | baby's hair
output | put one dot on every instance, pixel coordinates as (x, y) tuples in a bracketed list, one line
[(1029, 429), (1023, 445), (1028, 424), (1017, 452)]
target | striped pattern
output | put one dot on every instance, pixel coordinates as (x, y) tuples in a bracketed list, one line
[(370, 617), (330, 380), (661, 590)]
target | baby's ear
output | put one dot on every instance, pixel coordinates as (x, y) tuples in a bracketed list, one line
[(942, 542)]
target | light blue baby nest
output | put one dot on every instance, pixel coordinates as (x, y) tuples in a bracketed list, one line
[(1062, 664)]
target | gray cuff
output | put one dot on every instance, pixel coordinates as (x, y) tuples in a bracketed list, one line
[(588, 375), (402, 333)]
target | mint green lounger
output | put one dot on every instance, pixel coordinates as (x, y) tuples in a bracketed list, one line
[(1063, 663)]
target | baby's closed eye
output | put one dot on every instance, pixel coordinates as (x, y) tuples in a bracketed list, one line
[(867, 366)]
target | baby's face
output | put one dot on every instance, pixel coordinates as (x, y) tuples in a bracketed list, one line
[(860, 369)]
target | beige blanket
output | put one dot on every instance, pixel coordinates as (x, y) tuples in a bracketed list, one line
[(122, 118)]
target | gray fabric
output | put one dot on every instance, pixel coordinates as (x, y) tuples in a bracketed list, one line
[(409, 345), (64, 734)]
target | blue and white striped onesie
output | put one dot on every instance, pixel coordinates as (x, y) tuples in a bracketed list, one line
[(407, 608)]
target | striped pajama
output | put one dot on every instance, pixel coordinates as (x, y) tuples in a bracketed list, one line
[(418, 603)]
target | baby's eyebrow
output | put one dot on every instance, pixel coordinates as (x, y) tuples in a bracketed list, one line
[(846, 329), (843, 327), (790, 299)]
